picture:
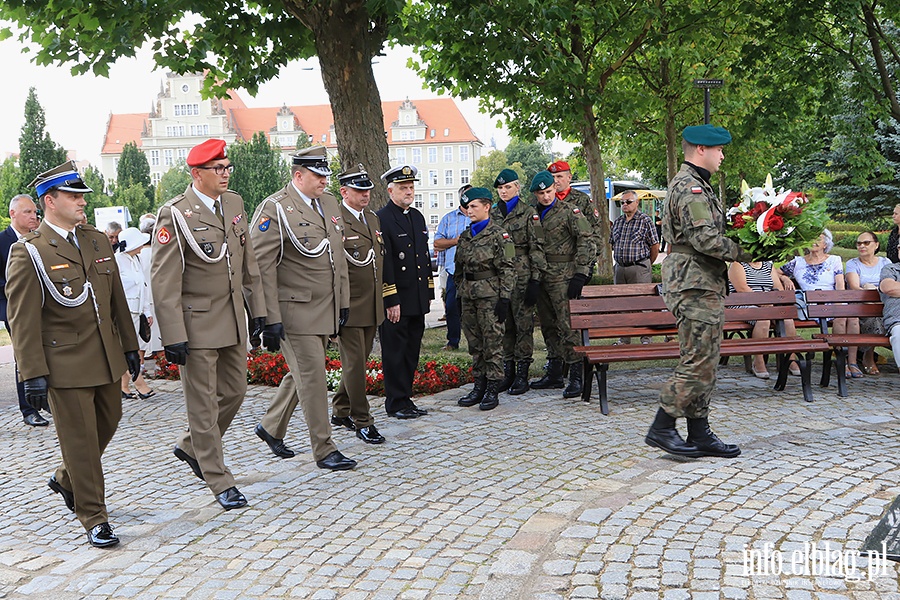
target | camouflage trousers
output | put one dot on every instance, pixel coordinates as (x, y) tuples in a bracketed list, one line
[(553, 314), (518, 340), (484, 335), (700, 317)]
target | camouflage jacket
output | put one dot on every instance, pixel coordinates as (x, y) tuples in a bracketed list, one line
[(590, 212), (484, 264), (525, 232), (567, 233), (693, 224)]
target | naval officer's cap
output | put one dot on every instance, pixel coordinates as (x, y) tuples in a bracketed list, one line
[(64, 177), (400, 174), (314, 158), (357, 179)]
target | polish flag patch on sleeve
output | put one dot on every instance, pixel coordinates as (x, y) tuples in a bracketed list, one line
[(696, 190)]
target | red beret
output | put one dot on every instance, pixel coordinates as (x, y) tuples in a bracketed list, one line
[(559, 166), (205, 152)]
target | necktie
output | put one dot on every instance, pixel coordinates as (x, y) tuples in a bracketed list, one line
[(362, 218), (71, 239), (316, 207), (218, 207)]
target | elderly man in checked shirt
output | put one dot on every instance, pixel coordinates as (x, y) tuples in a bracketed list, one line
[(635, 246)]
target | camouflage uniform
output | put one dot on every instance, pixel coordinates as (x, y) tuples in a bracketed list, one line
[(524, 229), (586, 204), (567, 236), (484, 274), (694, 278)]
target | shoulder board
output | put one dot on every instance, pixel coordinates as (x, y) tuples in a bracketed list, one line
[(174, 200), (89, 228), (233, 193), (31, 235), (696, 190)]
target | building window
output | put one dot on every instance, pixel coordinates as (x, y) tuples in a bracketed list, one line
[(448, 153), (432, 177), (187, 110), (175, 131), (154, 158), (155, 177), (463, 176), (404, 136), (167, 154), (182, 154), (200, 129), (417, 201), (448, 176), (433, 201), (449, 200), (287, 141), (432, 155), (434, 219), (417, 156), (463, 154), (400, 153)]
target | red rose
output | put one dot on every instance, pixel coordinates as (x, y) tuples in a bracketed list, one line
[(738, 222), (774, 223), (758, 209)]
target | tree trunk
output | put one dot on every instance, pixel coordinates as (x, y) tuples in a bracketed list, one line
[(671, 143), (345, 44), (591, 145)]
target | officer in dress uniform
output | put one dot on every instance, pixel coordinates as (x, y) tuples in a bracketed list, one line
[(694, 276), (202, 261), (298, 236), (408, 290), (364, 252), (74, 340)]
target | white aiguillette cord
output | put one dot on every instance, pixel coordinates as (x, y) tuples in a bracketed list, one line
[(324, 245), (38, 262)]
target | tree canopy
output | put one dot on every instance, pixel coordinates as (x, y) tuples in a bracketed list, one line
[(259, 170), (37, 152)]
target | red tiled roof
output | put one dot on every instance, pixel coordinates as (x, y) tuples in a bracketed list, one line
[(122, 129)]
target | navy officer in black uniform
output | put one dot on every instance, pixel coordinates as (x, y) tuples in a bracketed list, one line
[(408, 291)]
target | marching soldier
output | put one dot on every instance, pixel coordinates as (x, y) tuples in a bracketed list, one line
[(297, 233), (521, 222), (364, 252), (485, 279), (74, 340), (408, 291), (562, 177), (202, 259), (567, 233)]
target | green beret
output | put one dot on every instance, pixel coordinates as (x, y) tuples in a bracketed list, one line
[(706, 135), (475, 193), (541, 181), (505, 176)]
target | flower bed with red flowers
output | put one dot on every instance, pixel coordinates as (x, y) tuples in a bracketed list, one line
[(265, 368)]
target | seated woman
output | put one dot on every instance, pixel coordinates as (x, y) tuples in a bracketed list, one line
[(757, 277), (864, 273), (818, 270)]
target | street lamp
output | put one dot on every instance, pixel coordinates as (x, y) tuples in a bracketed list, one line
[(707, 84)]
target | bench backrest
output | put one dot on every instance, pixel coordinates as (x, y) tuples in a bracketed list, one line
[(830, 304)]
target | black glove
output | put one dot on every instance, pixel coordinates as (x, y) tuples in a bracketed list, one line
[(344, 317), (501, 309), (531, 292), (257, 324), (177, 353), (36, 393), (272, 335), (575, 284), (133, 360)]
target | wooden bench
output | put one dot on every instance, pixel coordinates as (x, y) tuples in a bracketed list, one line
[(606, 315), (825, 305)]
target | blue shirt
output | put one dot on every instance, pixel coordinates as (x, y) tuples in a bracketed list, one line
[(451, 226)]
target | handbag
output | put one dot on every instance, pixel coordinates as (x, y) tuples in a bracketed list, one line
[(144, 327)]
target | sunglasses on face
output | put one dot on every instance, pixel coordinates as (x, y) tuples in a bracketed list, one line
[(864, 243), (628, 201)]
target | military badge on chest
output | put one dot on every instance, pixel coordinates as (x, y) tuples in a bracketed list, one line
[(207, 248)]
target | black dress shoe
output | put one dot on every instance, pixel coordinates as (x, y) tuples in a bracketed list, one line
[(275, 445), (68, 496), (336, 462), (231, 498), (343, 422), (35, 420), (191, 461), (405, 413), (370, 435), (128, 396), (102, 536)]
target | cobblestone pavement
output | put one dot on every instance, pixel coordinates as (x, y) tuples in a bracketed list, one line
[(542, 498)]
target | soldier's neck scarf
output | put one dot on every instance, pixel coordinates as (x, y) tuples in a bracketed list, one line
[(511, 205), (703, 173), (562, 195), (479, 226), (546, 210)]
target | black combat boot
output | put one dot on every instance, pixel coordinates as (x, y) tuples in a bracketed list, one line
[(553, 379), (576, 381), (509, 374), (663, 435), (706, 442), (490, 400), (520, 383), (474, 397)]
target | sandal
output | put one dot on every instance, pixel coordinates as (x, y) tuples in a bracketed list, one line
[(873, 370), (853, 371)]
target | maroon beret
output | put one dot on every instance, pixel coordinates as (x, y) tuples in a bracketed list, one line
[(559, 166), (205, 152)]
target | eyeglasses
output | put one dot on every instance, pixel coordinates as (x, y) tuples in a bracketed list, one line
[(628, 201), (219, 169), (864, 243)]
